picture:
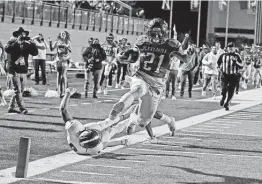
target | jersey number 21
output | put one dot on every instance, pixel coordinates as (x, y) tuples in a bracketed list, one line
[(150, 58)]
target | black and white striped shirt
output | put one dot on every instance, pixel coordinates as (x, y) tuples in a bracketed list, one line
[(229, 63)]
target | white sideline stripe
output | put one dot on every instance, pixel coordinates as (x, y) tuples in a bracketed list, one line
[(211, 132), (56, 161), (59, 181), (191, 152), (108, 166), (90, 173)]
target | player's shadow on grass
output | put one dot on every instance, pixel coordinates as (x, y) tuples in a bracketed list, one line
[(58, 116), (221, 149), (30, 128), (227, 179), (34, 122), (114, 156)]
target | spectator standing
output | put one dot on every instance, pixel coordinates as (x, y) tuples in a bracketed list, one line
[(210, 72), (174, 66), (229, 63), (2, 72), (93, 57), (19, 47), (188, 69), (40, 59)]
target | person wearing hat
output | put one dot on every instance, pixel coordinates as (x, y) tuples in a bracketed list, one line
[(19, 47), (229, 64), (93, 57)]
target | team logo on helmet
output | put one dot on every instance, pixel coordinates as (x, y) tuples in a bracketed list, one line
[(157, 31), (90, 138)]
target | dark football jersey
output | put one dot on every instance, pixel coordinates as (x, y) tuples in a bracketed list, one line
[(109, 48), (155, 58)]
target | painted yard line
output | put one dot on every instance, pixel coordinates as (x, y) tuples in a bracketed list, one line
[(244, 115), (159, 145), (193, 135), (237, 118), (56, 161), (89, 173), (197, 153), (231, 125), (218, 121), (187, 138), (211, 132), (199, 128), (245, 120), (73, 105), (135, 161), (85, 103), (211, 126), (59, 181), (107, 166)]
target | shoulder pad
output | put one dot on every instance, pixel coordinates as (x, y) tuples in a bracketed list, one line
[(173, 43), (141, 39)]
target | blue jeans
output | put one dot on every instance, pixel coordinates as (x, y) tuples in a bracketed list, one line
[(96, 76), (18, 81), (190, 76)]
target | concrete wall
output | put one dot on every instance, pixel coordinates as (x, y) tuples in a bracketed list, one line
[(78, 37), (238, 18)]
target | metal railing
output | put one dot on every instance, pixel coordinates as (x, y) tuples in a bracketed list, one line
[(68, 16)]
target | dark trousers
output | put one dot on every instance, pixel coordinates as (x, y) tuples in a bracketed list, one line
[(228, 82), (119, 68), (190, 76), (40, 63), (96, 76), (171, 78), (238, 81)]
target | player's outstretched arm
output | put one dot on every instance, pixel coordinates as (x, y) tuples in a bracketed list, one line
[(64, 104)]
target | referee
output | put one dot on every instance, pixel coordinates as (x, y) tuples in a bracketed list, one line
[(229, 63)]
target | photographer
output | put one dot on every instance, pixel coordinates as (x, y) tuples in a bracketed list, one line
[(19, 47), (40, 59), (93, 57)]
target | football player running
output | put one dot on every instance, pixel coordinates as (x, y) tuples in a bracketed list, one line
[(92, 138), (152, 51)]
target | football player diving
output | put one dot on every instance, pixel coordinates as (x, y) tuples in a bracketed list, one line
[(92, 138), (152, 51)]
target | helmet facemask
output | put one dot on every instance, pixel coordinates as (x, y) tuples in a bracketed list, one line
[(157, 31)]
